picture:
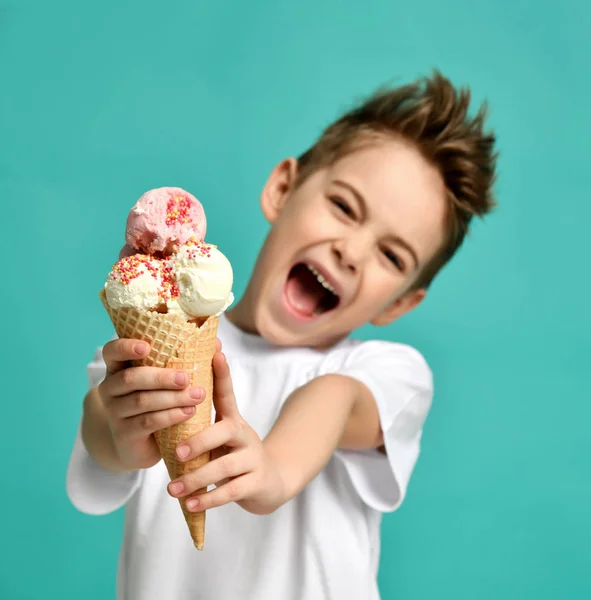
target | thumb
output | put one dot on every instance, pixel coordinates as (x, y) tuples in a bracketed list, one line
[(224, 399)]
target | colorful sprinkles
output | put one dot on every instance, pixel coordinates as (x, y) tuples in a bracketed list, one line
[(168, 288), (131, 267), (196, 248), (178, 211)]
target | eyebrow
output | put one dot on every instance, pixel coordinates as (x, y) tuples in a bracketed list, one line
[(363, 203)]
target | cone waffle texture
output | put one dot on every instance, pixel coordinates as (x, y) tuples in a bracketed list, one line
[(176, 344)]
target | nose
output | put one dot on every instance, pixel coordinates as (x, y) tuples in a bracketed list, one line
[(350, 253)]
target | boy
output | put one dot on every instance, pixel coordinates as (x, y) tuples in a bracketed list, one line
[(316, 434)]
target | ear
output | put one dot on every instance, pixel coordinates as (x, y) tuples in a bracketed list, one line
[(400, 307), (277, 189)]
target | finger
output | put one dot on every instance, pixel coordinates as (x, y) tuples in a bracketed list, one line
[(224, 399), (148, 423), (118, 353), (227, 432), (228, 466), (218, 345), (134, 379), (234, 490), (149, 401)]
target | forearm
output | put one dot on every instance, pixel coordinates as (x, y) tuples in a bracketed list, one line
[(309, 430), (96, 434)]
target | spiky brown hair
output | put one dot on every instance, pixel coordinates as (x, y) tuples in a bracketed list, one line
[(433, 115)]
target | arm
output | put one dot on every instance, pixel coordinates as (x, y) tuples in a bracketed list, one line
[(260, 476), (330, 412), (96, 434), (115, 440), (121, 414)]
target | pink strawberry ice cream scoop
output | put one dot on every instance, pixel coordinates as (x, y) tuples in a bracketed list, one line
[(164, 219)]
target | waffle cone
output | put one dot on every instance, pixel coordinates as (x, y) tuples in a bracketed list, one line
[(176, 344)]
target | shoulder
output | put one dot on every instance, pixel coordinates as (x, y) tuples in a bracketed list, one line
[(391, 360)]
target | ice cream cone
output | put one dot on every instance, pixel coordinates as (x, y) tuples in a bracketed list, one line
[(176, 344)]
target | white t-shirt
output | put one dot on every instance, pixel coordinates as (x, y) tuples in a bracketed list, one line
[(322, 544)]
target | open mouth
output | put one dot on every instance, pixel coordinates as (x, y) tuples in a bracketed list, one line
[(308, 292)]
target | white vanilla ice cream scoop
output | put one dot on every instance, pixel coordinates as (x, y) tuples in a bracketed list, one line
[(137, 281), (204, 278)]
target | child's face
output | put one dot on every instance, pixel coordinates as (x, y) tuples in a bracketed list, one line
[(345, 246)]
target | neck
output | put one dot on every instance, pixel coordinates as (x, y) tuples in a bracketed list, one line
[(241, 315)]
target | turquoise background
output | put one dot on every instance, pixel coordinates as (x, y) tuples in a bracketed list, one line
[(100, 102)]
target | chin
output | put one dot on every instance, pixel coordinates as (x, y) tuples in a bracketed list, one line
[(278, 335), (311, 336)]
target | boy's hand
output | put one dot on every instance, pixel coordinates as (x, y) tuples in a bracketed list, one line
[(240, 466), (138, 401)]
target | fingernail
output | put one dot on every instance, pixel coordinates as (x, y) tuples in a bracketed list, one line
[(192, 503), (196, 393), (140, 348), (183, 450), (188, 410), (181, 378), (176, 488)]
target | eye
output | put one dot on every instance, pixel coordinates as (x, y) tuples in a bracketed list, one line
[(342, 206), (394, 259)]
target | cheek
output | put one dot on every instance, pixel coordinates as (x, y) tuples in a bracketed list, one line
[(380, 286), (308, 219)]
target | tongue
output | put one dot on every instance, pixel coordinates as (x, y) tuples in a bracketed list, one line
[(303, 291)]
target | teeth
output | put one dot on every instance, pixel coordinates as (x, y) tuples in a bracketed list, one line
[(325, 284)]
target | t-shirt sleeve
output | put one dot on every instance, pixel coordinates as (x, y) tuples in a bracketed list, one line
[(90, 488), (402, 385)]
